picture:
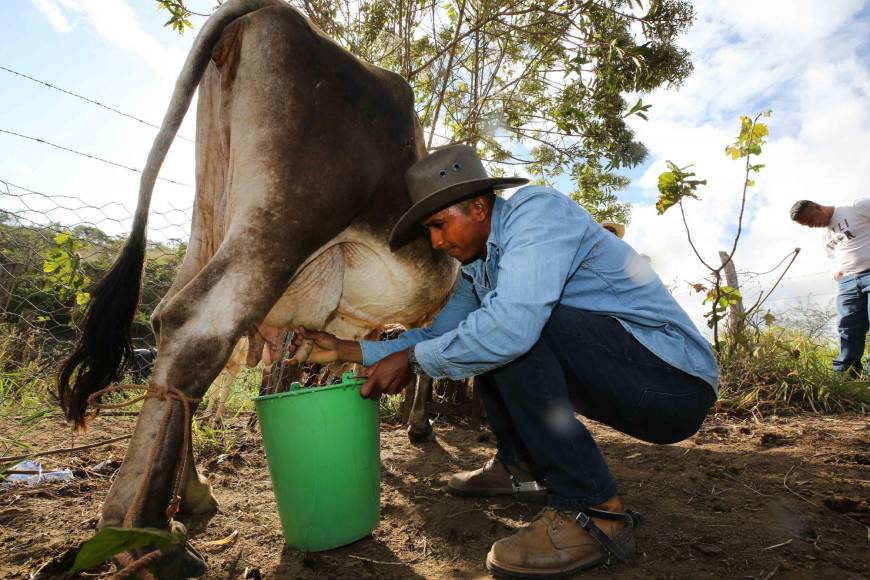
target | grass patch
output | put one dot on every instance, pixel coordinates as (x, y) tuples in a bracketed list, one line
[(26, 372), (390, 408), (783, 371)]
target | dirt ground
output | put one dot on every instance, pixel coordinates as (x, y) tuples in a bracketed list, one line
[(783, 498)]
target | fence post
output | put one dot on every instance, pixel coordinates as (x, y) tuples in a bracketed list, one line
[(737, 311)]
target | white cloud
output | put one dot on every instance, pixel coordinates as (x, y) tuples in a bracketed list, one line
[(116, 22), (807, 61), (53, 14)]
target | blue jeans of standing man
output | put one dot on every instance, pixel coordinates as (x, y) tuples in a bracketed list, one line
[(588, 363), (853, 323)]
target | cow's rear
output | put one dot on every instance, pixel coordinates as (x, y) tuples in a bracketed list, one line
[(301, 151)]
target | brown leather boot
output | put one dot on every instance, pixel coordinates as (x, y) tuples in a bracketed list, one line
[(496, 479), (558, 543)]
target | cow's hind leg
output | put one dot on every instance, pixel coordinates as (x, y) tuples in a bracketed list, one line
[(199, 327), (419, 426)]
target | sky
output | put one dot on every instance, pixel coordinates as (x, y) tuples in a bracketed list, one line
[(806, 60)]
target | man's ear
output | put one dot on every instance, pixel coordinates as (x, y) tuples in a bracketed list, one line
[(479, 208)]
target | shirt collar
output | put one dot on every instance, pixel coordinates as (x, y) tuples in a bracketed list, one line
[(495, 223)]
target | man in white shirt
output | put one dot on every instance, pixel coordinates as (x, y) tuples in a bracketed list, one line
[(847, 242)]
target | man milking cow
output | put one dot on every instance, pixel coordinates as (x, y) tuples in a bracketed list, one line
[(556, 316)]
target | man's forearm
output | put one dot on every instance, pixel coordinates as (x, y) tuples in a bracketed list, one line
[(349, 351)]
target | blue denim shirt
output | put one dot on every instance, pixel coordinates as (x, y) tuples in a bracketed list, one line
[(543, 250)]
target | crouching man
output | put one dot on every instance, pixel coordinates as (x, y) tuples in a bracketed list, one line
[(556, 316)]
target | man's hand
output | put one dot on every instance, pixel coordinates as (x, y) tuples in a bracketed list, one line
[(837, 276), (388, 377), (316, 346)]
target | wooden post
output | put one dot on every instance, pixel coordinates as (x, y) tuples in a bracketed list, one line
[(737, 311)]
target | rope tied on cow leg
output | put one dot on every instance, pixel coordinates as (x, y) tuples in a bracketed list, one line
[(133, 567), (169, 395)]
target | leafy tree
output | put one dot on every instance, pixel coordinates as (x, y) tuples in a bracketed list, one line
[(539, 84), (679, 184), (64, 276)]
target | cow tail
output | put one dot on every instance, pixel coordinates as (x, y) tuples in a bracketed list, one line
[(104, 348)]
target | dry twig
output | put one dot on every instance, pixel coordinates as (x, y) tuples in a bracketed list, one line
[(773, 547), (790, 490), (63, 449), (399, 563)]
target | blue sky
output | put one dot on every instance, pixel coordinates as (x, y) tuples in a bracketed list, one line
[(807, 60)]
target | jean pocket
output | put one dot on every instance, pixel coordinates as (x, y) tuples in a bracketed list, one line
[(848, 283), (669, 418)]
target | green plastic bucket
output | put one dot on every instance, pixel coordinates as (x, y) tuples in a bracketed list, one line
[(323, 449)]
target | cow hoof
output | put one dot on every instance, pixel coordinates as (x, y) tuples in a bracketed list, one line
[(420, 435), (182, 562), (198, 520), (198, 505)]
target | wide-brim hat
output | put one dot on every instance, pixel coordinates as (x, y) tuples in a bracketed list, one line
[(446, 176), (616, 228)]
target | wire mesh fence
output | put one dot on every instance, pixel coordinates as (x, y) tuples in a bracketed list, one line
[(53, 248)]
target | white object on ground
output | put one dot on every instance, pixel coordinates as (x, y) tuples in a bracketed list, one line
[(37, 478)]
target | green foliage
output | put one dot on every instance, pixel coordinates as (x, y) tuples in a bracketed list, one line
[(720, 298), (110, 541), (596, 191), (390, 408), (179, 15), (63, 268), (209, 441), (539, 84), (46, 274), (749, 141), (779, 370), (675, 185)]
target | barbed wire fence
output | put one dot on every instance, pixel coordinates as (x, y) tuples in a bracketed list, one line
[(55, 246)]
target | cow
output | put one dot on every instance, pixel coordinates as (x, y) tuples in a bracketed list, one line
[(301, 150)]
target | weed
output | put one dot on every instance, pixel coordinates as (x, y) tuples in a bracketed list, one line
[(781, 371), (391, 408)]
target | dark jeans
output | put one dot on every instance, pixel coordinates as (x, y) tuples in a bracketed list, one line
[(853, 323), (587, 363)]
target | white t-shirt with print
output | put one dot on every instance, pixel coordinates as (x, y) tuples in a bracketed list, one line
[(847, 237)]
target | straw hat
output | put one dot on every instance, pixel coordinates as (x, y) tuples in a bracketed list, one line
[(613, 227)]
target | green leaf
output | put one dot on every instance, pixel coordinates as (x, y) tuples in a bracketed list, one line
[(61, 239), (674, 185), (110, 541), (37, 415)]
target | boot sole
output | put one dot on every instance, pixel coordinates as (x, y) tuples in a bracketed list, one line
[(502, 572)]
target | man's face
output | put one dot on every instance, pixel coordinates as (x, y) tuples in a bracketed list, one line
[(814, 216), (461, 230)]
